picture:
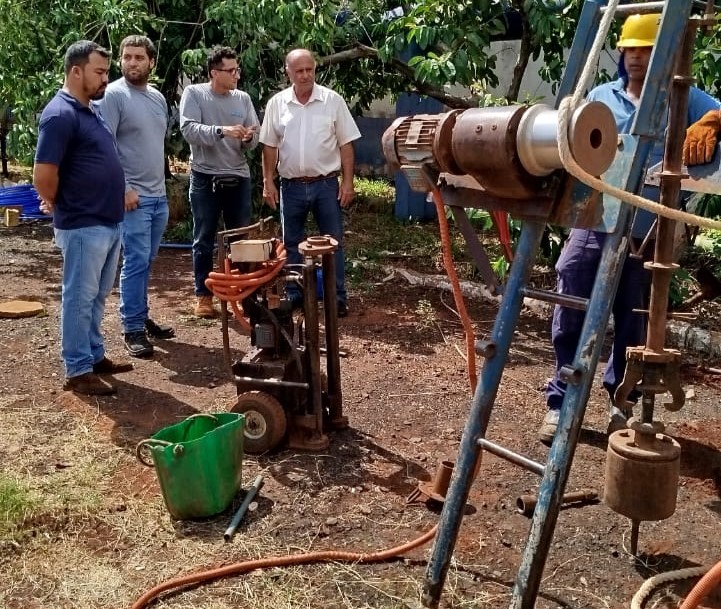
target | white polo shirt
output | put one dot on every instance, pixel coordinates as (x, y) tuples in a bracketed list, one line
[(308, 137)]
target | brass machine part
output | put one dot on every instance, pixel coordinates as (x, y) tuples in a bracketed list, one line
[(509, 150), (642, 472)]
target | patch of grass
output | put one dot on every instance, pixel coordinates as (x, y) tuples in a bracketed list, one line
[(16, 504), (374, 194), (426, 314)]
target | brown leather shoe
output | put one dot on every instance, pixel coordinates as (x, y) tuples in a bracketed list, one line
[(88, 384), (108, 366), (204, 307)]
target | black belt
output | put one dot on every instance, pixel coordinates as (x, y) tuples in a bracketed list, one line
[(309, 179)]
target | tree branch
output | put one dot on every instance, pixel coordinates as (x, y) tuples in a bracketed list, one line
[(361, 51), (524, 54)]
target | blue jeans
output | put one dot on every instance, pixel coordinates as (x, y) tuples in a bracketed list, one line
[(142, 231), (321, 198), (576, 270), (207, 204), (90, 263)]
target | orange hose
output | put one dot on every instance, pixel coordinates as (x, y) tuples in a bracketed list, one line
[(702, 588), (456, 285), (232, 286), (280, 561)]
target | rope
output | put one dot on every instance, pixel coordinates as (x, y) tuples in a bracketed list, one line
[(663, 578), (565, 110)]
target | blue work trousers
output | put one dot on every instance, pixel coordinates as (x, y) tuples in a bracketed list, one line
[(142, 228), (576, 273), (208, 202), (297, 199), (90, 264)]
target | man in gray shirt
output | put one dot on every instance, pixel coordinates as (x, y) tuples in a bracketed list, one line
[(220, 124), (137, 115)]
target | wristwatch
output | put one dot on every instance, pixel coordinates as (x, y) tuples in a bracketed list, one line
[(219, 132)]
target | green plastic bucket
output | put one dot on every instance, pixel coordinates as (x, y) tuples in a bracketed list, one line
[(198, 463)]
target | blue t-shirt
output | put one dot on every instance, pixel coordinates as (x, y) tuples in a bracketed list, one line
[(91, 183)]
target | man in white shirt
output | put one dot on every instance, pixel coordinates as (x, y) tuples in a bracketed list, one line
[(307, 136)]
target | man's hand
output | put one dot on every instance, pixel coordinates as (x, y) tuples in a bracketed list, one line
[(47, 207), (132, 200), (346, 193), (700, 143), (270, 194), (239, 132)]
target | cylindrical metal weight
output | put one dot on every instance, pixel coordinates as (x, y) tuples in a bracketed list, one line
[(642, 475)]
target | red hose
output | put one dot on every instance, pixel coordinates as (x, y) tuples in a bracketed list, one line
[(456, 285), (280, 561), (702, 588), (232, 286)]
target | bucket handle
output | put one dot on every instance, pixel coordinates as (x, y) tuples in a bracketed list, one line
[(202, 414), (149, 442)]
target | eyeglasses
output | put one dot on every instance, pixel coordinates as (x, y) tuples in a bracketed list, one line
[(228, 70)]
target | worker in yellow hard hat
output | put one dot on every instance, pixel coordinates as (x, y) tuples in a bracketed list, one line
[(576, 268)]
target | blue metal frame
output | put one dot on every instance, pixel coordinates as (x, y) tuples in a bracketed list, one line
[(648, 127)]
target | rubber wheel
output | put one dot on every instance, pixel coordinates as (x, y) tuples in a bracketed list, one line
[(265, 421)]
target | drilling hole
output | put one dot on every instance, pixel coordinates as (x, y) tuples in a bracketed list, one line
[(596, 138)]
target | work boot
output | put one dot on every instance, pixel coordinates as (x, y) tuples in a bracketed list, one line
[(204, 307), (88, 384), (156, 330), (342, 309), (108, 366), (616, 419), (137, 344), (548, 428)]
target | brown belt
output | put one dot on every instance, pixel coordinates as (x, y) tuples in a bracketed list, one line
[(309, 179)]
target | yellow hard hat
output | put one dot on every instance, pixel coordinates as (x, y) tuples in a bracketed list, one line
[(639, 31)]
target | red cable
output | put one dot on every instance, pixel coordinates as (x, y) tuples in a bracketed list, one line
[(456, 284)]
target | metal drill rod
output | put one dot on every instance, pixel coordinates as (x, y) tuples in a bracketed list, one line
[(332, 348), (510, 456), (670, 190), (312, 338)]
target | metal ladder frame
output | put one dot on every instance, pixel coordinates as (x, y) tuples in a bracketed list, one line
[(635, 149)]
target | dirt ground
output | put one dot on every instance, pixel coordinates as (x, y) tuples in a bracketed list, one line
[(100, 534)]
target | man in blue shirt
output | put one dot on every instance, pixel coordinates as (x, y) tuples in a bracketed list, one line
[(78, 177), (576, 268)]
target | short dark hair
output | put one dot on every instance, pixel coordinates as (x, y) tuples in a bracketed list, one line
[(216, 55), (137, 40), (78, 54)]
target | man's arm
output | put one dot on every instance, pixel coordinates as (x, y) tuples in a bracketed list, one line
[(347, 167), (192, 127), (45, 180), (270, 162)]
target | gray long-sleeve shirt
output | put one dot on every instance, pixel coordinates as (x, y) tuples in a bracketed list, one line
[(138, 118), (201, 111)]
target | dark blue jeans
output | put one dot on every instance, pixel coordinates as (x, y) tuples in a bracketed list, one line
[(576, 271), (297, 199), (207, 204)]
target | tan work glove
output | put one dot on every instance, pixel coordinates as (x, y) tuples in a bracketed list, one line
[(700, 142)]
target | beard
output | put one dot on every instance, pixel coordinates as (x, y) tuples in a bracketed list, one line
[(136, 77), (97, 94)]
